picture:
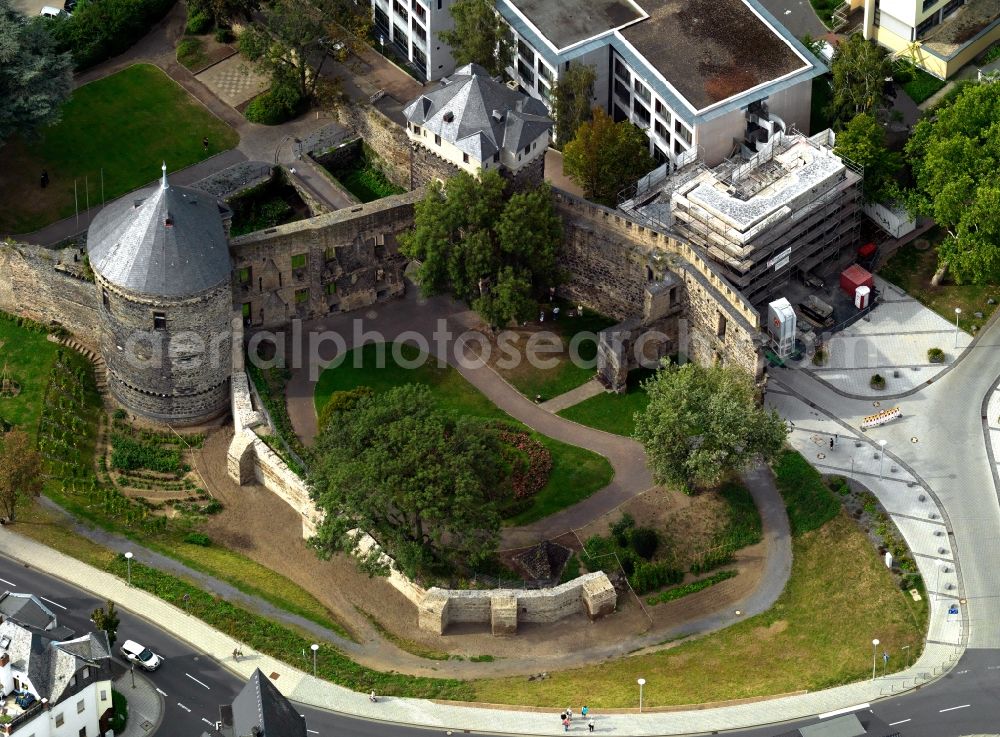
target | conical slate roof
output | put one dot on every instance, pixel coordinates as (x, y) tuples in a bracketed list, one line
[(163, 241), (260, 704)]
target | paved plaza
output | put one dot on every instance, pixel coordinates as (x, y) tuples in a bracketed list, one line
[(233, 80)]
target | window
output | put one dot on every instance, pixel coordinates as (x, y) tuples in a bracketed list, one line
[(465, 158), (104, 695), (331, 288), (299, 261), (80, 706), (246, 310), (928, 4), (86, 672), (544, 91), (682, 130), (437, 140), (641, 113), (72, 682), (159, 321), (83, 732), (419, 33), (527, 149), (661, 130), (244, 275), (401, 10), (641, 90), (416, 130), (621, 89), (661, 110), (496, 157), (526, 51), (544, 71), (105, 300), (526, 72), (620, 69), (301, 295), (59, 719)]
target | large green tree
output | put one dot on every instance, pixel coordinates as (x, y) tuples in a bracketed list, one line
[(35, 79), (604, 157), (703, 424), (955, 157), (421, 481), (862, 141), (20, 471), (289, 39), (572, 100), (860, 69), (490, 250), (106, 618), (479, 36)]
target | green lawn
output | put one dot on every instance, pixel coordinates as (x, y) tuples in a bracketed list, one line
[(922, 86), (26, 356), (817, 635), (125, 125), (824, 9), (565, 375), (614, 413), (911, 270), (576, 473)]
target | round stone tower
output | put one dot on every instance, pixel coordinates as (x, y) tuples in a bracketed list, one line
[(163, 273)]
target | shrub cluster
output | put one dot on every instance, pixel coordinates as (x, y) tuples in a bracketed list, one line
[(690, 588), (279, 104), (935, 355), (809, 501), (634, 548), (129, 454), (99, 30)]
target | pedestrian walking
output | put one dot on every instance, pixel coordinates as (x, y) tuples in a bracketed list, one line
[(590, 724), (831, 443), (204, 143), (44, 178), (566, 724), (584, 711), (371, 696), (569, 713)]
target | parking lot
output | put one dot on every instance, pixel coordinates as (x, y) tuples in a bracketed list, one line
[(31, 8)]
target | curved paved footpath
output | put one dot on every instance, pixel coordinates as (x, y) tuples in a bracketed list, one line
[(412, 316)]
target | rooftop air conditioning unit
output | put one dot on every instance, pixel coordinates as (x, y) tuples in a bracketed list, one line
[(512, 85)]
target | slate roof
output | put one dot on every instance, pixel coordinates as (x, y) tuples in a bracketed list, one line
[(461, 111), (48, 665), (26, 610), (164, 241), (261, 705)]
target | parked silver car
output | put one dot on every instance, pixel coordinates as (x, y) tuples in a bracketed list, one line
[(143, 657)]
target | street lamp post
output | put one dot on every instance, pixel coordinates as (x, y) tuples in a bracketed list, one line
[(958, 311), (641, 682), (314, 647), (907, 649), (132, 669), (128, 563), (874, 656), (881, 457)]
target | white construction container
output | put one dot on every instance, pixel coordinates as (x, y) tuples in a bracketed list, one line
[(781, 326), (861, 296)]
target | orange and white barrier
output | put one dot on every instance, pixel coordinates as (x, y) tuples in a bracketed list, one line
[(881, 418)]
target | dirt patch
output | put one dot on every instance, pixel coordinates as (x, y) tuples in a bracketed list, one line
[(767, 633)]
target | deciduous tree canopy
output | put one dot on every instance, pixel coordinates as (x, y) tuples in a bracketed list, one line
[(489, 250), (862, 141), (20, 471), (702, 424), (479, 36), (604, 157), (572, 99), (860, 69), (416, 478), (955, 157)]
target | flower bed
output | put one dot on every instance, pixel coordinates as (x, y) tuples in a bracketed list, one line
[(531, 461)]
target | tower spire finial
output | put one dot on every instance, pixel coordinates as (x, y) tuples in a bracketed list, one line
[(163, 182)]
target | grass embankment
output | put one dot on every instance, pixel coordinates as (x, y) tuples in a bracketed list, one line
[(26, 357), (818, 634), (124, 126), (614, 413), (911, 270), (922, 86), (576, 473), (560, 373)]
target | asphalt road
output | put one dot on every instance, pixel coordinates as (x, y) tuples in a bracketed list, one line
[(967, 701)]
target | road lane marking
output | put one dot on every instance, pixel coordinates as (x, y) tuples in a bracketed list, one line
[(838, 712), (162, 693), (183, 707), (197, 681), (52, 603), (952, 708), (210, 724), (903, 721), (9, 583), (312, 731)]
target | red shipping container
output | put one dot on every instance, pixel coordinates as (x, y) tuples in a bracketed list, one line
[(855, 276), (867, 250)]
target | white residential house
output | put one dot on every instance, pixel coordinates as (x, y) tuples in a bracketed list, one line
[(64, 688), (412, 28), (476, 123)]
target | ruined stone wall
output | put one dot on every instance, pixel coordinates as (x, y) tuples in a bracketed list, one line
[(427, 167), (39, 283), (386, 138), (336, 262), (610, 260)]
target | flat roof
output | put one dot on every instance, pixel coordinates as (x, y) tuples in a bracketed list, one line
[(567, 22), (710, 50)]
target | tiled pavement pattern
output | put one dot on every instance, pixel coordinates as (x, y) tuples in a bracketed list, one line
[(233, 80), (894, 340), (145, 705)]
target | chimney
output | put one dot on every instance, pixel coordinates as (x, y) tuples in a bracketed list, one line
[(6, 676), (497, 116), (449, 116)]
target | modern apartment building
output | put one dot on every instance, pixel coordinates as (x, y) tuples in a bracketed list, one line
[(786, 207), (941, 36), (412, 28), (686, 71)]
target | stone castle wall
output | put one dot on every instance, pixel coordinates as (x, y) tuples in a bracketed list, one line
[(33, 283), (336, 262), (385, 137)]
